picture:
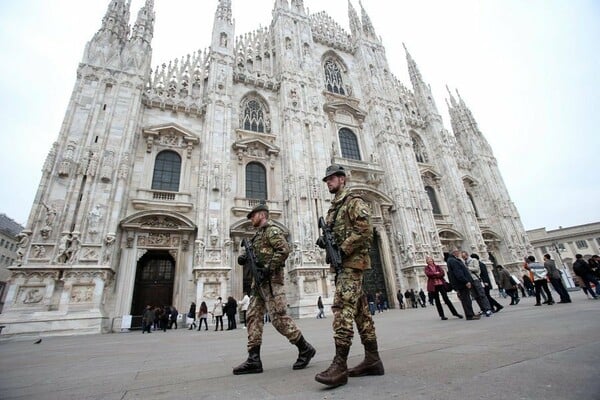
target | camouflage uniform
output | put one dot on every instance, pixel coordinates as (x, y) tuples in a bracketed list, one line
[(271, 249), (353, 231), (350, 222)]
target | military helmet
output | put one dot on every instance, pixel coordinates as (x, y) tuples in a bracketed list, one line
[(334, 169), (261, 207)]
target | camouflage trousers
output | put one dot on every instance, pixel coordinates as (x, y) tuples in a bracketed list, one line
[(350, 305), (276, 306)]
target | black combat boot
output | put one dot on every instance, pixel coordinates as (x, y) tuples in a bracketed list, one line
[(305, 353), (252, 365), (371, 365), (337, 373)]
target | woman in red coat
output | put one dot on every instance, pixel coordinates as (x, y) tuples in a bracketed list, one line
[(436, 285)]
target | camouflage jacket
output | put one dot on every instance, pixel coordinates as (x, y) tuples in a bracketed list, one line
[(352, 228), (271, 249)]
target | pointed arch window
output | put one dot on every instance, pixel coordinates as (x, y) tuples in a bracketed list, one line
[(167, 171), (419, 149), (333, 78), (435, 206), (349, 144), (256, 181), (473, 204), (254, 116)]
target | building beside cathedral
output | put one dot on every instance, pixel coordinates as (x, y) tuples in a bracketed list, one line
[(563, 244), (10, 243), (144, 195)]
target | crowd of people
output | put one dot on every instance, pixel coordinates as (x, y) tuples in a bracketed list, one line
[(159, 318), (469, 277), (466, 274), (166, 317), (347, 235)]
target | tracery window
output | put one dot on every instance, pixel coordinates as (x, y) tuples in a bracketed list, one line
[(157, 269), (254, 116), (167, 171), (433, 200), (349, 144), (256, 181), (419, 149), (333, 78), (473, 204)]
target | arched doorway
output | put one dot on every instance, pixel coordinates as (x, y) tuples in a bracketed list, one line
[(374, 278), (154, 279)]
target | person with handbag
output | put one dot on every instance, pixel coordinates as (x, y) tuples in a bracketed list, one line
[(218, 313), (191, 316), (436, 285), (506, 282)]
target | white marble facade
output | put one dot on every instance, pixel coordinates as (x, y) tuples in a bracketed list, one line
[(286, 100)]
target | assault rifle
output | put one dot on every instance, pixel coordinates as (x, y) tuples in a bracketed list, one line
[(332, 250), (260, 273)]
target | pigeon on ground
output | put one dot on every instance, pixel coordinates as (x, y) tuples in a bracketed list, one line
[(38, 341)]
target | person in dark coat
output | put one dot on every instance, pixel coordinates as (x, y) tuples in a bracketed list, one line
[(408, 299), (173, 317), (192, 314), (400, 298), (487, 284), (528, 286), (413, 298), (321, 308), (163, 316), (583, 271), (555, 279), (422, 298), (506, 283), (230, 311), (147, 319), (461, 281)]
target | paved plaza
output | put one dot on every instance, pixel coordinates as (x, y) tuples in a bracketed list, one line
[(523, 352)]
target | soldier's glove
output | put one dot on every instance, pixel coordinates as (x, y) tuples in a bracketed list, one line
[(241, 260), (321, 242), (264, 274)]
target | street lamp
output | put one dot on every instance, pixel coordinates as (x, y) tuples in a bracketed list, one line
[(566, 275)]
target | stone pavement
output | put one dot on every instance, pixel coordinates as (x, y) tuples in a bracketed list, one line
[(523, 352)]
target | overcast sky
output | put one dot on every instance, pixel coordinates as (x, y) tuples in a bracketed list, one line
[(527, 70)]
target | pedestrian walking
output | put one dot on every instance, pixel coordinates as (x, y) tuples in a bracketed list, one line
[(321, 308), (436, 285)]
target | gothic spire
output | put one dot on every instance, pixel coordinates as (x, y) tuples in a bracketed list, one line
[(143, 29), (366, 23), (453, 102), (415, 75), (116, 20), (223, 12), (298, 5), (281, 4), (461, 117), (355, 25)]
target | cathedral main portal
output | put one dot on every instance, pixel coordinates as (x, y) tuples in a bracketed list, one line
[(154, 282), (374, 279)]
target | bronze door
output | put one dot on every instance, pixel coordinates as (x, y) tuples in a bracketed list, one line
[(374, 279), (154, 282)]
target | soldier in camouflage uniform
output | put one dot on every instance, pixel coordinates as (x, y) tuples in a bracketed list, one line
[(349, 217), (271, 249)]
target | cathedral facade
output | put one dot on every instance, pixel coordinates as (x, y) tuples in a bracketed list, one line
[(144, 196)]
